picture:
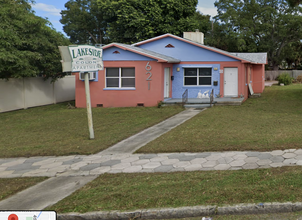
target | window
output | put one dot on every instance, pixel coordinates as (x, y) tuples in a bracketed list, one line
[(120, 77), (197, 76)]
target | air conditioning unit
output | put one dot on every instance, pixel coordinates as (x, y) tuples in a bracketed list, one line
[(91, 75)]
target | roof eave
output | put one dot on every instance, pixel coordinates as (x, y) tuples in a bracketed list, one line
[(178, 61), (108, 45), (159, 60), (151, 39), (190, 42)]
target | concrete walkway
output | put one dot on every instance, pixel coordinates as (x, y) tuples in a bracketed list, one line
[(65, 170), (270, 83), (133, 143), (130, 163), (45, 193)]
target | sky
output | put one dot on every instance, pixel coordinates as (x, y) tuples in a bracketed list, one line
[(51, 9)]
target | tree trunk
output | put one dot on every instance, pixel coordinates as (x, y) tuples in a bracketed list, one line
[(275, 66), (93, 37)]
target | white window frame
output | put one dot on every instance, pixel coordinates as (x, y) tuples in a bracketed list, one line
[(196, 75), (119, 77)]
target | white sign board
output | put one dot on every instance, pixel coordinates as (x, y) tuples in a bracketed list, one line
[(86, 58)]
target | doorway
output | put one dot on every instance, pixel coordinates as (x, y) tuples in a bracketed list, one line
[(167, 83), (231, 82)]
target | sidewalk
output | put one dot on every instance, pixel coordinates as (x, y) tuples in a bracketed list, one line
[(120, 159), (130, 163)]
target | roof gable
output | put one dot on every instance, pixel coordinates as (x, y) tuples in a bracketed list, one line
[(185, 51), (147, 44), (117, 51)]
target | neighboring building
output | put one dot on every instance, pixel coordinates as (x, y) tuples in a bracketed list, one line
[(163, 67)]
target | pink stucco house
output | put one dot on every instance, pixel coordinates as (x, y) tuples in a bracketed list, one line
[(163, 67)]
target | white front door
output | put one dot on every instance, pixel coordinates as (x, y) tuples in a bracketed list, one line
[(231, 82), (167, 83)]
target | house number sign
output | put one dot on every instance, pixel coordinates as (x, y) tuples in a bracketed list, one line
[(148, 69)]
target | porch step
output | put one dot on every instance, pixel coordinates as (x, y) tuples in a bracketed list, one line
[(188, 105), (196, 101), (255, 95)]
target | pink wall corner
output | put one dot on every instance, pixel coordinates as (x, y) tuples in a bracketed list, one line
[(221, 89), (241, 79), (258, 78), (263, 76), (246, 88), (125, 98), (241, 76)]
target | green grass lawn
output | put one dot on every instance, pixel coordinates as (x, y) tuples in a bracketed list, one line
[(11, 186), (271, 122), (57, 130), (159, 190)]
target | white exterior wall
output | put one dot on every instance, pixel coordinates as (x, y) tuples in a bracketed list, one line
[(64, 89), (30, 92)]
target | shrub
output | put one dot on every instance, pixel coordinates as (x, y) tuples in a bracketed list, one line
[(159, 104), (285, 78), (299, 79)]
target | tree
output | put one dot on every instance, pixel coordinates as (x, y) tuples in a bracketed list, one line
[(201, 22), (294, 3), (83, 22), (262, 25), (130, 21), (223, 37), (28, 46), (292, 54)]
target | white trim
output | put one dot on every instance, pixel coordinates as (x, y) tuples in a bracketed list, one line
[(167, 82)]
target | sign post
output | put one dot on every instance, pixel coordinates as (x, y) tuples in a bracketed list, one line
[(88, 105), (83, 58)]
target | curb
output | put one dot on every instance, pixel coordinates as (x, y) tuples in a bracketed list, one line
[(184, 212)]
